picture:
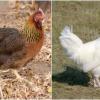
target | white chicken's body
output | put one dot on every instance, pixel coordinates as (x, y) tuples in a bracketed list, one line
[(85, 54), (88, 55)]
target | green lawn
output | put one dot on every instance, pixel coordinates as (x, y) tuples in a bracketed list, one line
[(68, 80)]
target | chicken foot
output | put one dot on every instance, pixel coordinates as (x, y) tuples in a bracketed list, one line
[(18, 76), (1, 92), (96, 81)]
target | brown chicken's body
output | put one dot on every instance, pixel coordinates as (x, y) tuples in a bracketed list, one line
[(16, 48)]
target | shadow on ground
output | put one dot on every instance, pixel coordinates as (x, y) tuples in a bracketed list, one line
[(72, 76)]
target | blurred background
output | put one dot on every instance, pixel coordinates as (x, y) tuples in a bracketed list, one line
[(17, 9)]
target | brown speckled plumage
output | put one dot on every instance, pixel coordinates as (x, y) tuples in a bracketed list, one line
[(17, 48)]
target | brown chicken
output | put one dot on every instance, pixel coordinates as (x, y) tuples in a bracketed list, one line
[(17, 48)]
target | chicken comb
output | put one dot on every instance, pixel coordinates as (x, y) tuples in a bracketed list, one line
[(41, 11)]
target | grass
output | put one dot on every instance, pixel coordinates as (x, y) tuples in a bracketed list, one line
[(68, 80)]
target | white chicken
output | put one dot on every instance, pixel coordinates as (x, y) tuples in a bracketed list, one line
[(87, 55)]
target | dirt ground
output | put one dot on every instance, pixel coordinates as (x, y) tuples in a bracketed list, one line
[(37, 71)]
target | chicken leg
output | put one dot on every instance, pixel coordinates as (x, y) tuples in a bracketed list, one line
[(18, 76), (96, 81)]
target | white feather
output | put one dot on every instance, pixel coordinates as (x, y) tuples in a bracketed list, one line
[(85, 54)]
